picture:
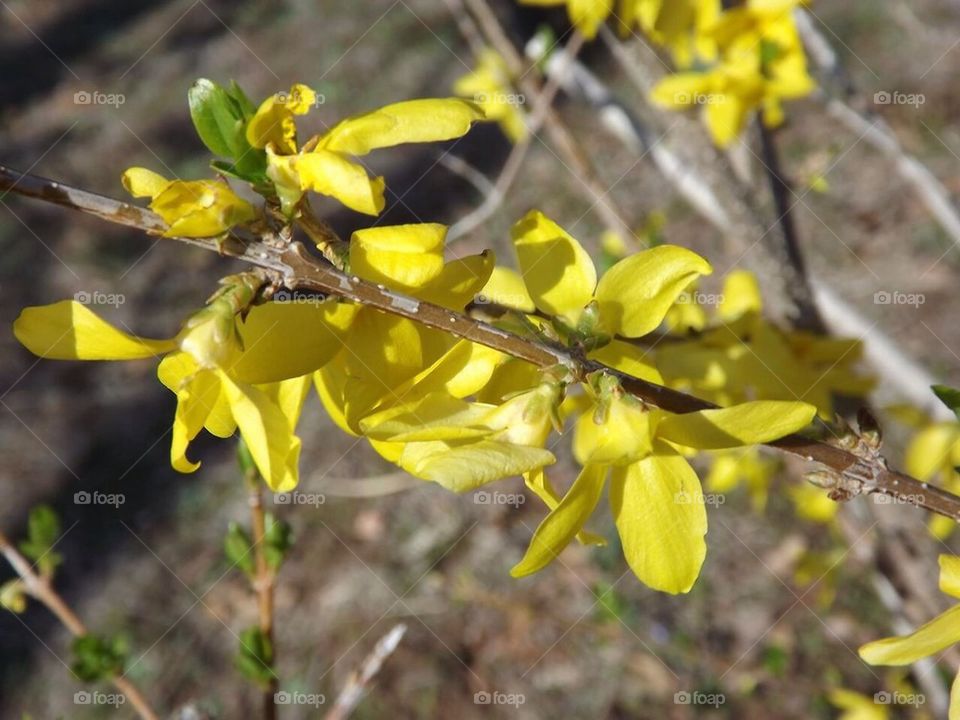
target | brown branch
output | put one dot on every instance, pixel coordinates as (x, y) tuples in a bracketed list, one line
[(360, 679), (40, 589), (293, 267), (263, 584)]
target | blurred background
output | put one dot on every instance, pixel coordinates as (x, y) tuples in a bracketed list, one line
[(783, 602)]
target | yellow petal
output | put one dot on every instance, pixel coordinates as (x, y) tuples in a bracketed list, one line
[(330, 173), (930, 450), (68, 330), (929, 639), (660, 515), (195, 400), (953, 713), (681, 89), (399, 256), (175, 369), (289, 396), (589, 15), (467, 465), (273, 122), (557, 271), (564, 522), (506, 287), (950, 575), (629, 359), (413, 121), (741, 295), (459, 281), (538, 482), (437, 416), (635, 294), (284, 340), (267, 433), (623, 437), (749, 423), (141, 182)]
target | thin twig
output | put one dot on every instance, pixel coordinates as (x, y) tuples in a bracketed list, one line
[(795, 267), (511, 168), (296, 269), (263, 583), (359, 681), (571, 153), (41, 590)]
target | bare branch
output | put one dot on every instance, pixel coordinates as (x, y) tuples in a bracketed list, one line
[(359, 680), (40, 589), (846, 473)]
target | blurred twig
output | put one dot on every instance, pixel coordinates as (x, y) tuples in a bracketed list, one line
[(570, 151), (263, 584), (359, 681), (41, 590)]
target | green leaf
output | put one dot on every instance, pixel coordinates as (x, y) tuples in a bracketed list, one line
[(949, 397), (238, 549), (247, 108), (277, 540), (43, 531), (254, 659), (98, 658), (215, 116)]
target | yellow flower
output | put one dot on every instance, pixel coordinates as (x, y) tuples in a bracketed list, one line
[(655, 496), (856, 706), (929, 639), (274, 121), (192, 208), (741, 356), (324, 163), (630, 300), (679, 25), (761, 63), (227, 372), (586, 15), (489, 86)]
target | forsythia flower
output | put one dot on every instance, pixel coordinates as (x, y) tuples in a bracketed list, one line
[(192, 208), (761, 63), (586, 15), (679, 25), (742, 356), (856, 706), (324, 163), (929, 639), (226, 372), (746, 466), (489, 86)]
